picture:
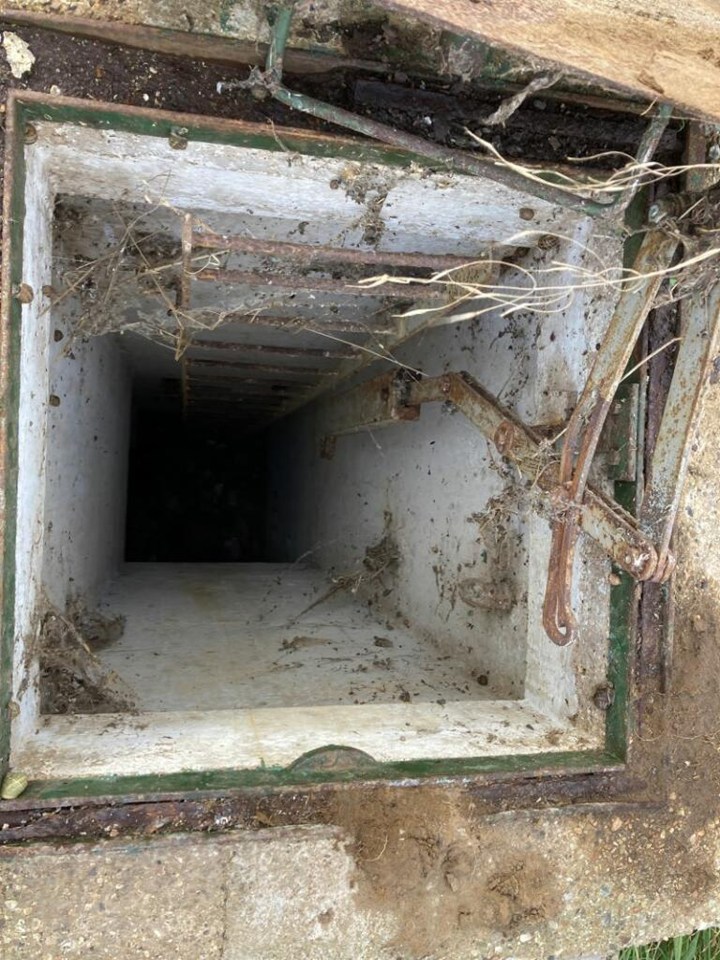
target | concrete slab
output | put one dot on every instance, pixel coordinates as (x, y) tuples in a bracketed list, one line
[(115, 900), (271, 894)]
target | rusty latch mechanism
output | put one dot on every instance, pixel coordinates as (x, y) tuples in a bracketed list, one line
[(638, 545)]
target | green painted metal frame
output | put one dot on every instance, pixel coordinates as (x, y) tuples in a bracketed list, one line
[(25, 108)]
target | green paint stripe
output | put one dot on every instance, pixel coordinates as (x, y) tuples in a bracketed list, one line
[(624, 596), (251, 136), (623, 611), (150, 787), (10, 402)]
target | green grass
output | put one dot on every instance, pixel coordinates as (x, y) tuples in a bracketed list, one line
[(701, 945)]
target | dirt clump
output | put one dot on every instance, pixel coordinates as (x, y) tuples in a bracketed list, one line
[(72, 678), (444, 880)]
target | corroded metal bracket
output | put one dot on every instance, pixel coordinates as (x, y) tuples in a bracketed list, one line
[(587, 421), (396, 397)]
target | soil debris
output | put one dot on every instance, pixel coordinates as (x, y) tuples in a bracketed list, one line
[(379, 558), (72, 679), (382, 642), (297, 643)]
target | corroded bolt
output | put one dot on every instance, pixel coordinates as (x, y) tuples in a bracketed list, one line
[(30, 133), (604, 696), (178, 138)]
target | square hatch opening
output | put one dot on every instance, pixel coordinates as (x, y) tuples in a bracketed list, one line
[(221, 563)]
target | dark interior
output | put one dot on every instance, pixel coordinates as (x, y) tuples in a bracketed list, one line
[(196, 490)]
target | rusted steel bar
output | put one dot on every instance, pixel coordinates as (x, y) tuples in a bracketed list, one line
[(333, 324), (183, 298), (587, 421), (260, 367), (267, 404), (282, 386), (300, 352), (237, 387), (668, 469), (186, 266), (206, 388), (646, 149), (410, 291), (378, 403), (309, 253)]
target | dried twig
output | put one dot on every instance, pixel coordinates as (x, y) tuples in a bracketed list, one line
[(508, 107)]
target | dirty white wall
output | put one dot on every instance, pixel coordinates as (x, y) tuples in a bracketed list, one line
[(86, 467), (427, 481), (32, 435)]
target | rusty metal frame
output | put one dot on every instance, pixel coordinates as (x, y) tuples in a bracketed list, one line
[(150, 804), (586, 424)]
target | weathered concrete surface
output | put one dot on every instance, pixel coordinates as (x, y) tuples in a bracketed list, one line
[(133, 900), (262, 895), (529, 885)]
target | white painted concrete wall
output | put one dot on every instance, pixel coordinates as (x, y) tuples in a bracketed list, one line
[(428, 478), (32, 437), (86, 467), (431, 476), (72, 458)]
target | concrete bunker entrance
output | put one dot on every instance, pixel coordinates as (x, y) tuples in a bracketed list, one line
[(221, 562)]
